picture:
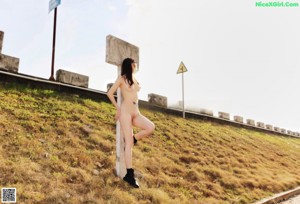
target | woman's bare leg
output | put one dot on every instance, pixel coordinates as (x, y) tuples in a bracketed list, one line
[(125, 121), (145, 124)]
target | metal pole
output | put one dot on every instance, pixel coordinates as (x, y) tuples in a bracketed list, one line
[(53, 46), (183, 113)]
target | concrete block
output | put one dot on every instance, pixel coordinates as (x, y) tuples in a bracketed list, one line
[(206, 112), (238, 119), (1, 40), (290, 132), (9, 63), (117, 50), (269, 127), (260, 125), (297, 134), (224, 115), (250, 122), (277, 129), (109, 86), (72, 78), (282, 130), (158, 100)]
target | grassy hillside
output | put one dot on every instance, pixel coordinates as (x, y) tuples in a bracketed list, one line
[(60, 148)]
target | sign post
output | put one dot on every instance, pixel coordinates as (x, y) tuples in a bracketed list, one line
[(181, 70), (116, 51), (53, 4)]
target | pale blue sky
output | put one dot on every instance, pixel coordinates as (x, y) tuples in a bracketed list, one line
[(241, 59)]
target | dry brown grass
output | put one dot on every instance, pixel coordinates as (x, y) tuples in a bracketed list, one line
[(51, 145)]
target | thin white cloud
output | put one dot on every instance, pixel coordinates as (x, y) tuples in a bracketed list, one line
[(111, 7), (240, 59), (238, 56)]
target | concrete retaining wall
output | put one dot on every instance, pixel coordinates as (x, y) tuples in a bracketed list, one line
[(11, 64), (238, 120), (98, 95)]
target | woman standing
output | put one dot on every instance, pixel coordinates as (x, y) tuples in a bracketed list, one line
[(129, 115)]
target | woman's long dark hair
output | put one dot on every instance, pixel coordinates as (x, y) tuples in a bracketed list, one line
[(127, 70)]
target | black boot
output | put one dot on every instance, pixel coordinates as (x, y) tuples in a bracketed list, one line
[(129, 178)]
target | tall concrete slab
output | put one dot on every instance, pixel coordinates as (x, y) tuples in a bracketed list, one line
[(116, 51)]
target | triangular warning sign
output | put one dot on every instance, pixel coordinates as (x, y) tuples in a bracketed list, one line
[(181, 68)]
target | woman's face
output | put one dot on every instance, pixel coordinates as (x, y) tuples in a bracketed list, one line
[(134, 67)]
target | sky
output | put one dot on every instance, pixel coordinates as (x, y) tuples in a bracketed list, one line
[(241, 59)]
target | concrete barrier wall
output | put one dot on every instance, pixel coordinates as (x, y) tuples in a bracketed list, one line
[(276, 129), (250, 122), (158, 100), (269, 127), (11, 64), (108, 86), (224, 115), (260, 125), (238, 119), (72, 78), (282, 130), (206, 112), (98, 95), (7, 63)]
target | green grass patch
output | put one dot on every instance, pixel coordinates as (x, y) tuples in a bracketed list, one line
[(52, 144)]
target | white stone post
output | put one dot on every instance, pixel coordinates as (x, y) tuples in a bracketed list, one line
[(116, 51)]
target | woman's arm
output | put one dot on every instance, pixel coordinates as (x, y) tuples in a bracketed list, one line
[(113, 89)]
